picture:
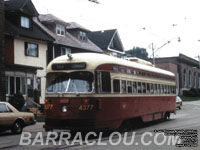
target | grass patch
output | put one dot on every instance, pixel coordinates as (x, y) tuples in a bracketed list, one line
[(39, 118), (184, 98)]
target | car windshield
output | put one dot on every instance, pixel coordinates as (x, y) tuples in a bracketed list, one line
[(75, 82)]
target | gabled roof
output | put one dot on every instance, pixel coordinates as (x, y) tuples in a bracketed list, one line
[(68, 39), (23, 6), (49, 18), (105, 38), (74, 25), (34, 33)]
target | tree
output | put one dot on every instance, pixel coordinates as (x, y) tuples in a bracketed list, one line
[(17, 100), (137, 52)]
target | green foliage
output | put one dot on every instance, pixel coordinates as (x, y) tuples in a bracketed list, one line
[(184, 98), (192, 92), (17, 100), (137, 52)]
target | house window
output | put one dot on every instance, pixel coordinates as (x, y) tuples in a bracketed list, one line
[(31, 49), (25, 22), (60, 29), (38, 80), (195, 85), (65, 51), (15, 85), (199, 79), (185, 78), (82, 35), (190, 79)]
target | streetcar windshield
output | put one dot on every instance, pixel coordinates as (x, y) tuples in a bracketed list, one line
[(75, 82)]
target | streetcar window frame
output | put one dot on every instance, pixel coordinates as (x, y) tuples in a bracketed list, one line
[(143, 87), (129, 87), (139, 87), (116, 86), (105, 82), (148, 88), (123, 86), (134, 84), (152, 88)]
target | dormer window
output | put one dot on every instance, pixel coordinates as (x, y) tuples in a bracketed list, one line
[(82, 35), (60, 29), (25, 22)]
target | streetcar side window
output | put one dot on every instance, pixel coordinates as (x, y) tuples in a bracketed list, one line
[(174, 89), (134, 87), (159, 88), (139, 87), (156, 89), (148, 88), (152, 88), (168, 90), (123, 86), (129, 86), (105, 82), (116, 86), (143, 87), (165, 89)]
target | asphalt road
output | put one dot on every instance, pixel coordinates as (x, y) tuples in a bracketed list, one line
[(186, 123)]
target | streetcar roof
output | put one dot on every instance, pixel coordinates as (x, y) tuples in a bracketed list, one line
[(93, 60)]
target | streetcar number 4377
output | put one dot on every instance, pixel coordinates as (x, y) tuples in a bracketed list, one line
[(86, 107)]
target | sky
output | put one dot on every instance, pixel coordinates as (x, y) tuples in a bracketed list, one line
[(139, 22)]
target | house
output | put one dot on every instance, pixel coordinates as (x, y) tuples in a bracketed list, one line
[(186, 70), (109, 41), (68, 37), (26, 46), (2, 53)]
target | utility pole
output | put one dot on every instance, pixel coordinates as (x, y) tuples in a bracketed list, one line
[(199, 60), (2, 54), (153, 54), (154, 51)]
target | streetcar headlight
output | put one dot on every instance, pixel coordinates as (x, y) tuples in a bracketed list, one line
[(64, 109)]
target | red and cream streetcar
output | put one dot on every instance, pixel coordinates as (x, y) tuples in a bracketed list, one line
[(88, 91)]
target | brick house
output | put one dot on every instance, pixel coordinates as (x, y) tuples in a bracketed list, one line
[(186, 70), (2, 53), (26, 46), (68, 37), (109, 41)]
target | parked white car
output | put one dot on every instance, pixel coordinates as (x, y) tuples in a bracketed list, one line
[(179, 102)]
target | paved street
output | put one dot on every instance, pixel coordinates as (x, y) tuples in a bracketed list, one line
[(186, 118)]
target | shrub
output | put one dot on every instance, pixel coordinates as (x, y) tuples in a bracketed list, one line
[(189, 93), (17, 100)]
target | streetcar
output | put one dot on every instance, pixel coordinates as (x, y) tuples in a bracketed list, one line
[(88, 91)]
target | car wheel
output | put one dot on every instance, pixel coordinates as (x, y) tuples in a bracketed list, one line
[(17, 127)]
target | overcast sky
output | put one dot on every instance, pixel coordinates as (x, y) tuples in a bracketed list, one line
[(139, 22)]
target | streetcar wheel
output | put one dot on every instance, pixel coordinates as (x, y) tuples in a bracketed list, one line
[(167, 116)]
